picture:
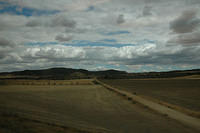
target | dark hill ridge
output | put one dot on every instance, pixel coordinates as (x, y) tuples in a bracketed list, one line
[(69, 73), (62, 73), (50, 72)]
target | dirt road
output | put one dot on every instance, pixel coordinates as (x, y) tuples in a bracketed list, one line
[(183, 118)]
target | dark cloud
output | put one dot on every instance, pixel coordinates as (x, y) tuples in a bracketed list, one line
[(6, 47), (147, 11), (52, 22), (62, 21), (185, 39), (185, 23), (113, 20), (62, 38), (120, 19), (6, 43)]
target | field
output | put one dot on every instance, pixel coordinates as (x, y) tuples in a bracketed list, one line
[(46, 82), (83, 108), (181, 92), (12, 123)]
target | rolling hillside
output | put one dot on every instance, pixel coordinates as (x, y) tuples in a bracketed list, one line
[(69, 73)]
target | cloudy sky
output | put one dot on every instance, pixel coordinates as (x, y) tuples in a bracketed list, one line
[(131, 35)]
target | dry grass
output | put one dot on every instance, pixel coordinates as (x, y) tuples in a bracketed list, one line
[(10, 76), (13, 123), (83, 107), (47, 82), (178, 108), (179, 92), (189, 77)]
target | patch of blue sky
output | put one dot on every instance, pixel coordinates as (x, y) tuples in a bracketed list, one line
[(3, 3), (25, 11), (81, 43), (93, 8), (115, 33), (40, 43), (102, 43), (145, 41), (109, 40), (90, 8), (97, 44)]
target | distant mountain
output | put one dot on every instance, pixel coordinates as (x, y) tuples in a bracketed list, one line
[(69, 73)]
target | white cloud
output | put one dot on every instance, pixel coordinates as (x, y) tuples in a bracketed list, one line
[(152, 20)]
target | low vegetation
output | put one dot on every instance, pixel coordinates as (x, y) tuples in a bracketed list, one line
[(68, 73), (13, 123), (46, 82), (89, 107), (181, 92)]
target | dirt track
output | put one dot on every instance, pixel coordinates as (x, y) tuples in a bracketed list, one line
[(183, 118), (89, 106), (180, 92)]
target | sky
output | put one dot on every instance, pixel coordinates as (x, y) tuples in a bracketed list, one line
[(127, 35)]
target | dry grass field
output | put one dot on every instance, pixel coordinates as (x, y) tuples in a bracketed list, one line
[(180, 92), (12, 123), (82, 107), (46, 82)]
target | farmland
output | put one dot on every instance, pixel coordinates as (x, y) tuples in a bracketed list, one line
[(10, 122), (180, 92), (85, 107)]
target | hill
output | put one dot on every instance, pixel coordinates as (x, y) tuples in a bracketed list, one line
[(69, 73)]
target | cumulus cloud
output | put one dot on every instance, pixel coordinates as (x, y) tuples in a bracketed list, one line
[(54, 53), (96, 54), (186, 22), (115, 20), (63, 38), (88, 57), (6, 49), (128, 55)]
